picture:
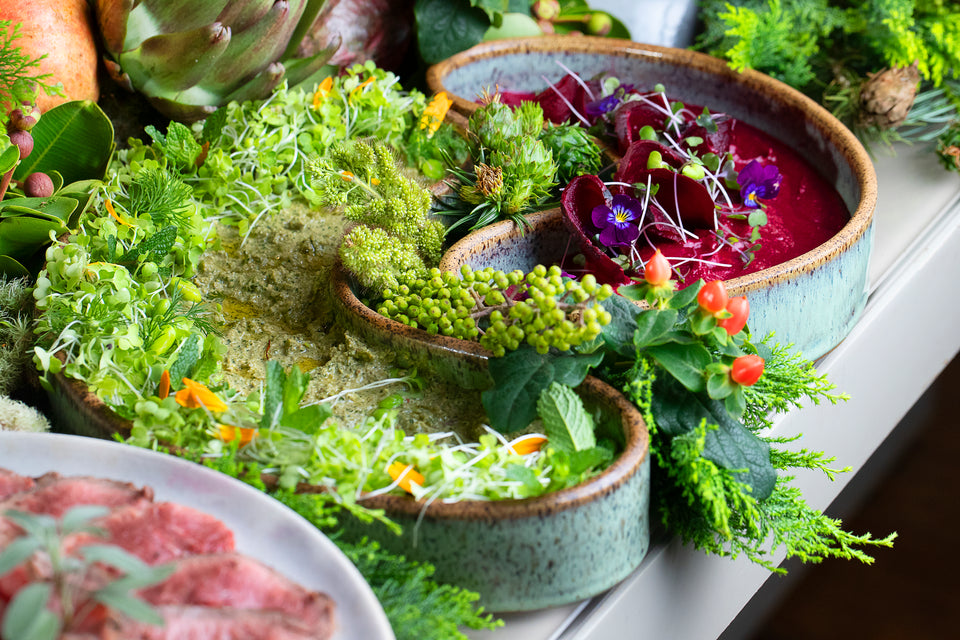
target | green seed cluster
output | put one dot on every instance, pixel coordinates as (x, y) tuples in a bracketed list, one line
[(501, 310)]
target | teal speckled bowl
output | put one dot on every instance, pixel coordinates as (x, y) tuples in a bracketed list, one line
[(540, 552), (811, 301)]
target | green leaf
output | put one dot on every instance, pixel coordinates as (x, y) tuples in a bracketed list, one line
[(186, 360), (446, 27), (17, 552), (580, 461), (685, 362), (654, 327), (9, 158), (685, 296), (55, 208), (128, 605), (27, 616), (571, 368), (731, 445), (293, 389), (308, 419), (180, 147), (114, 556), (567, 424), (78, 518), (74, 138), (213, 126), (757, 218), (520, 473), (273, 395), (618, 333)]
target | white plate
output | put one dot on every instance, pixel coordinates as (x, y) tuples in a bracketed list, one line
[(263, 528)]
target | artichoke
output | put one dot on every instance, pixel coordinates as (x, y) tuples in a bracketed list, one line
[(189, 57)]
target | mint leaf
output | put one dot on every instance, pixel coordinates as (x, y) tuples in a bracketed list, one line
[(186, 360), (273, 395), (446, 27), (566, 422), (307, 419), (294, 387), (520, 473), (180, 147), (580, 461)]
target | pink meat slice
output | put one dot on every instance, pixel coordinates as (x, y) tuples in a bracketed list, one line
[(54, 494), (205, 623), (238, 581), (158, 532), (12, 483)]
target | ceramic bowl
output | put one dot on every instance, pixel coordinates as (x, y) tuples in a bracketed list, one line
[(539, 552), (811, 301)]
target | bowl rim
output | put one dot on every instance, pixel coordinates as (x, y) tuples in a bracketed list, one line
[(833, 131)]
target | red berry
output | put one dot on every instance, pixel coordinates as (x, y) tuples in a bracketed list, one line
[(746, 370), (740, 308), (24, 142), (712, 297), (38, 185), (657, 270)]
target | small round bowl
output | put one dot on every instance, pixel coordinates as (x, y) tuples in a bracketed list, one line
[(539, 552), (811, 301)]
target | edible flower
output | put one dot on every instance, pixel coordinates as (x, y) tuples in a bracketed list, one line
[(360, 87), (164, 389), (113, 212), (602, 106), (405, 475), (323, 90), (527, 444), (229, 433), (616, 220), (195, 395), (758, 181), (435, 112)]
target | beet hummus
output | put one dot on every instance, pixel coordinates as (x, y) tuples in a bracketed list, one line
[(717, 196)]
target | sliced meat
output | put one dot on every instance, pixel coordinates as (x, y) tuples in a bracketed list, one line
[(55, 494), (204, 623), (12, 483), (158, 532), (234, 580)]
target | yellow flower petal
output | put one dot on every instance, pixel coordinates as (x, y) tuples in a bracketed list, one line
[(229, 433), (405, 475), (195, 395), (527, 444)]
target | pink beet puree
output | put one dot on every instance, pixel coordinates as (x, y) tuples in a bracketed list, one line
[(806, 213)]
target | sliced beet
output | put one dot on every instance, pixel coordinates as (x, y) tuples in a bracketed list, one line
[(632, 117), (556, 108), (675, 190), (633, 166), (581, 196)]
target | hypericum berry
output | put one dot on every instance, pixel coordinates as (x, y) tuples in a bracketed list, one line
[(746, 370), (38, 185), (24, 141), (24, 118), (657, 270), (739, 309), (712, 297)]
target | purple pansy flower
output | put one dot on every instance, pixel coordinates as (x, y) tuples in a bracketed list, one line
[(616, 221), (602, 106), (758, 181)]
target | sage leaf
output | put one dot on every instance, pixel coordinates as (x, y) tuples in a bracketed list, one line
[(273, 395), (566, 422), (27, 616), (17, 552)]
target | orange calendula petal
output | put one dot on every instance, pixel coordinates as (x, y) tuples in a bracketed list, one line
[(527, 444), (113, 212), (164, 390), (322, 91), (195, 395), (229, 433), (405, 475)]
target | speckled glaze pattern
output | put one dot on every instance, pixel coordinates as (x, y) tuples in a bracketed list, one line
[(812, 300), (540, 552)]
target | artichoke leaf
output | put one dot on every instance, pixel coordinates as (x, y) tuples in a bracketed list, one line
[(260, 85), (299, 69), (240, 16), (150, 18), (174, 62), (311, 15), (253, 49), (74, 138), (112, 16)]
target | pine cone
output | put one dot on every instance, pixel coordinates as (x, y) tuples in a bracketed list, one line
[(886, 96)]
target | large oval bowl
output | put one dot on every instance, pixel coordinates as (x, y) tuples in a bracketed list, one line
[(811, 301)]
